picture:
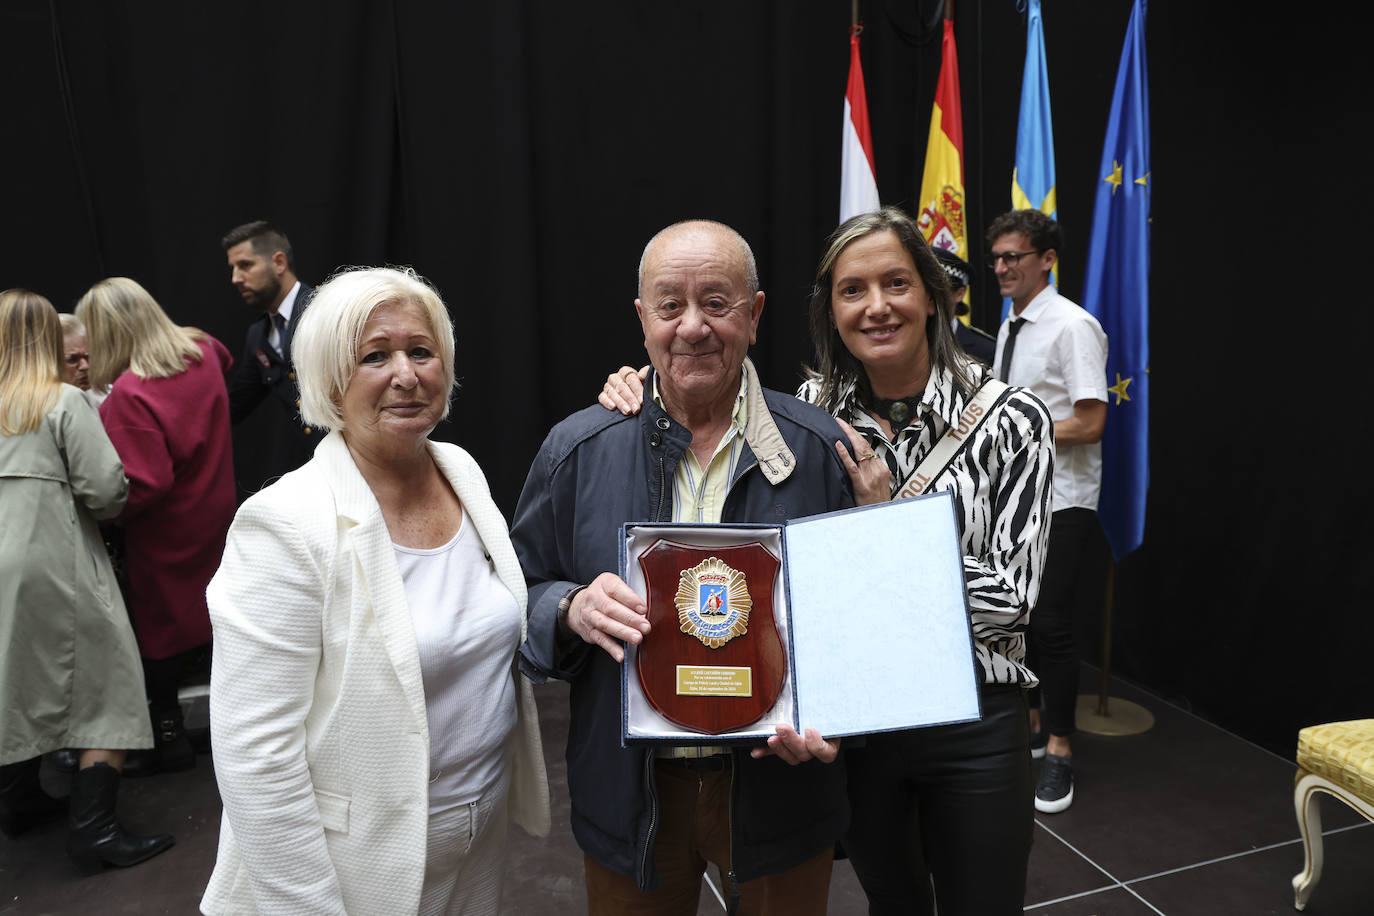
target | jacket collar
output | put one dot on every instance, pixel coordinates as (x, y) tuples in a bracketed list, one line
[(761, 435), (353, 499), (363, 530)]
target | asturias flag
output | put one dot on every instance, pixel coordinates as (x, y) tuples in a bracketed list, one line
[(858, 181), (1032, 175), (1116, 290)]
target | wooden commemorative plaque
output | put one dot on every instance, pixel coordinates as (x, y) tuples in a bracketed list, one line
[(713, 661)]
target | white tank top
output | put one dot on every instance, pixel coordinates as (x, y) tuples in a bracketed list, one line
[(467, 630)]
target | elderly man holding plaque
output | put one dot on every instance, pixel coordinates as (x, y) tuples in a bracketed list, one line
[(939, 814), (711, 445)]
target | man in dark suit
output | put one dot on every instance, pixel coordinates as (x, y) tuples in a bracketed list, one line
[(976, 343), (262, 383)]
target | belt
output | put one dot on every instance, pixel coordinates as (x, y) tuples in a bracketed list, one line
[(712, 764)]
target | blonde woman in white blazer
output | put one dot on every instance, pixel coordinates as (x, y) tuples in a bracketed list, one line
[(372, 734)]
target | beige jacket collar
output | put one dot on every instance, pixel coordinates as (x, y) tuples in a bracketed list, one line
[(776, 460)]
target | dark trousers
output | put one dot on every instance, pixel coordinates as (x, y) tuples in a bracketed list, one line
[(1070, 592), (949, 806)]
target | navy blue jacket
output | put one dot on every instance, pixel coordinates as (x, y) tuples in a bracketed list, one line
[(262, 375), (976, 342), (595, 471)]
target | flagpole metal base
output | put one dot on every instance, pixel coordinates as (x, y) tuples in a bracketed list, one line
[(1121, 717)]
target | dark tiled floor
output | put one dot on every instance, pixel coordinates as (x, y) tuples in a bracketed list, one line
[(1185, 819)]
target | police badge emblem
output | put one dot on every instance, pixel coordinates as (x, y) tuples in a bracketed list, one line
[(723, 666), (713, 602)]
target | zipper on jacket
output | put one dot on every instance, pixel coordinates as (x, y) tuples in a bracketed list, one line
[(653, 818), (731, 488), (658, 512)]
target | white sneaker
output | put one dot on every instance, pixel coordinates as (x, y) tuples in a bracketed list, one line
[(1054, 792)]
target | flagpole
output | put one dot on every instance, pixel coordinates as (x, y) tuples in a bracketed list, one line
[(1103, 714), (854, 12), (1108, 618)]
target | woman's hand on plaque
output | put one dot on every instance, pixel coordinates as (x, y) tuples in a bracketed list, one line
[(867, 470), (624, 390), (793, 748), (607, 613)]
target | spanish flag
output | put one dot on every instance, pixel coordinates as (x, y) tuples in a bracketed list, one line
[(942, 183)]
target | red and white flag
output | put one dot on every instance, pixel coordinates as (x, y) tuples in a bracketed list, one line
[(858, 181)]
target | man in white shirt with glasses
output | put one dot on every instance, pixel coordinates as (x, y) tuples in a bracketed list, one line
[(1056, 349)]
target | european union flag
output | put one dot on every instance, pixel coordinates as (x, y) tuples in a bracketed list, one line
[(1116, 291), (1032, 174)]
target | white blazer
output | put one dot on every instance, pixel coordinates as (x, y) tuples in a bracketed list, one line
[(317, 709)]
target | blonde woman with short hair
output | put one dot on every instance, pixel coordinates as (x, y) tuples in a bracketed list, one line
[(372, 734), (69, 672), (167, 413)]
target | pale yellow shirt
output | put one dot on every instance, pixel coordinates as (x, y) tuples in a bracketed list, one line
[(699, 496)]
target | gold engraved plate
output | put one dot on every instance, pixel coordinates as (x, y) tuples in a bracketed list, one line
[(714, 681), (713, 602)]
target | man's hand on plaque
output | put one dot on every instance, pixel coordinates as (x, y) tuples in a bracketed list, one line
[(608, 612), (624, 390), (793, 748)]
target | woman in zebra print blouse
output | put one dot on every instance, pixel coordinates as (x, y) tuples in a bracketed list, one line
[(942, 813), (950, 806)]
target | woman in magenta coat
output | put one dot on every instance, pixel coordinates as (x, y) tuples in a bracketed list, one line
[(167, 414)]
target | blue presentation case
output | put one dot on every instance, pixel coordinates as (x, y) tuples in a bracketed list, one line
[(872, 610)]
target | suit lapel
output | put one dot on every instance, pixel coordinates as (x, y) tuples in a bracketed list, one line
[(302, 300), (260, 344), (387, 596), (366, 535), (370, 542)]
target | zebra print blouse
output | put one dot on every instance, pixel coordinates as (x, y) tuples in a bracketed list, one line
[(1002, 485)]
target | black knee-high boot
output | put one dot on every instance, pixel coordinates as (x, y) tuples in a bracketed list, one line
[(96, 838), (23, 803)]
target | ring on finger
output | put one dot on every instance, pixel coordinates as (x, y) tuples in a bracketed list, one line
[(868, 456)]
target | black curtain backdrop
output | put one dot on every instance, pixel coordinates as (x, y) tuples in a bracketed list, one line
[(520, 154)]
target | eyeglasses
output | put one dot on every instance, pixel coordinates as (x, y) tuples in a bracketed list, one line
[(1010, 257)]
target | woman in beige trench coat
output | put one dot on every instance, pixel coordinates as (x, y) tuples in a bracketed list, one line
[(69, 668)]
